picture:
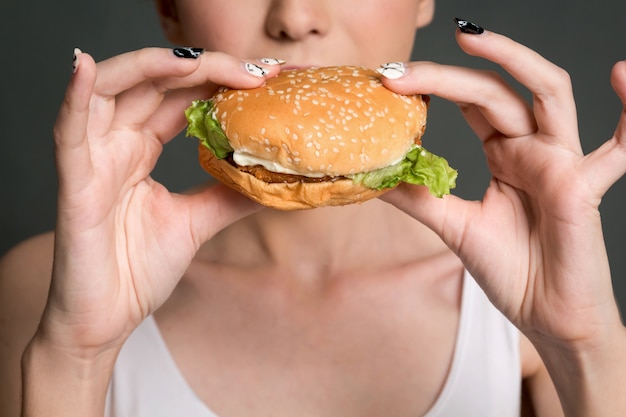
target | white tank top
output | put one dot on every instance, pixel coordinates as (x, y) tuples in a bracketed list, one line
[(484, 379)]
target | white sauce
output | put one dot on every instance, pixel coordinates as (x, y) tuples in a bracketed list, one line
[(245, 159)]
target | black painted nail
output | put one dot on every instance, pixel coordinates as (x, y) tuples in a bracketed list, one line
[(188, 52), (468, 27)]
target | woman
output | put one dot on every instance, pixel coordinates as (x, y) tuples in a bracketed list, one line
[(207, 304)]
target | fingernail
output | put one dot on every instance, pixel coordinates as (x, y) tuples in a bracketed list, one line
[(75, 60), (255, 69), (468, 27), (273, 61), (188, 52), (392, 70)]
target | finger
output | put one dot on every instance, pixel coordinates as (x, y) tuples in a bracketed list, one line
[(126, 71), (135, 106), (169, 71), (70, 130), (553, 100), (214, 208), (618, 81), (489, 104), (607, 164), (169, 119)]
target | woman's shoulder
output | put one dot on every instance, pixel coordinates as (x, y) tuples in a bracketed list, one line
[(26, 269), (25, 273)]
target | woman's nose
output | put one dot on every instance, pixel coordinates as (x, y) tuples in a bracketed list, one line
[(295, 20)]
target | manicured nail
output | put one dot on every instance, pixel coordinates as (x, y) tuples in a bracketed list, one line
[(468, 27), (273, 61), (255, 69), (75, 60), (188, 52), (392, 70)]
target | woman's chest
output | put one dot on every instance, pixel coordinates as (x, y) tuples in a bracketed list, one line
[(367, 350)]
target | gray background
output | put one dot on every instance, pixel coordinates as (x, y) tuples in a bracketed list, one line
[(38, 36)]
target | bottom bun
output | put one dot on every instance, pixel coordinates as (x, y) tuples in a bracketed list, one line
[(286, 196)]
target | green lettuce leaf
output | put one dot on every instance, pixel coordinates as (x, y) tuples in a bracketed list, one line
[(418, 167), (202, 125)]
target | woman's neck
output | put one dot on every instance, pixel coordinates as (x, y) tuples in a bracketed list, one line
[(325, 241)]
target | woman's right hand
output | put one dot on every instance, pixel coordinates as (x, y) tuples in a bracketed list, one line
[(122, 240)]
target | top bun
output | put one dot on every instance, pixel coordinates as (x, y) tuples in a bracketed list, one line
[(329, 121)]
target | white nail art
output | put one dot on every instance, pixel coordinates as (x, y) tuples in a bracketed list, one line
[(392, 70), (75, 59), (255, 70), (272, 61)]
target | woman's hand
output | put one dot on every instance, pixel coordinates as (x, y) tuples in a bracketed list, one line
[(122, 240), (534, 243)]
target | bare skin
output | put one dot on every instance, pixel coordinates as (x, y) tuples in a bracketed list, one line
[(125, 248), (321, 306)]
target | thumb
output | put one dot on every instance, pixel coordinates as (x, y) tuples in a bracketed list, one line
[(214, 208), (70, 129), (607, 164), (447, 216)]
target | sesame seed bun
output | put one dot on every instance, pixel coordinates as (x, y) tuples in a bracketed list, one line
[(316, 125)]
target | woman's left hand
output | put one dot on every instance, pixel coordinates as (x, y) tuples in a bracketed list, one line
[(534, 243)]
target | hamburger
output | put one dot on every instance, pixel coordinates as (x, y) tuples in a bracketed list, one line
[(316, 137)]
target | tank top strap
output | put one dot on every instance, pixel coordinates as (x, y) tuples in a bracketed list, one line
[(146, 381), (485, 375)]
